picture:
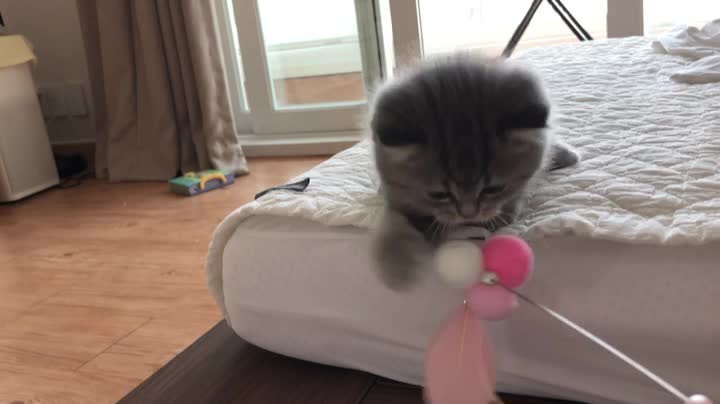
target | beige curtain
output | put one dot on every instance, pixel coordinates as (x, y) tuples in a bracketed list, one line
[(160, 90)]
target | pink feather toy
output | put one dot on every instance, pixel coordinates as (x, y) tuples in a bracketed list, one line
[(460, 367)]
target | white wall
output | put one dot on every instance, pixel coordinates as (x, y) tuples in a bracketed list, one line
[(53, 28)]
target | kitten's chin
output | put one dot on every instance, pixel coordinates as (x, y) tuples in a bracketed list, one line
[(482, 219)]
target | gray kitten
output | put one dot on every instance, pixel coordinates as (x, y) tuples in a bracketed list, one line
[(457, 142)]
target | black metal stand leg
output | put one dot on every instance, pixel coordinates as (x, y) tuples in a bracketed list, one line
[(520, 30), (566, 21), (560, 10), (575, 22)]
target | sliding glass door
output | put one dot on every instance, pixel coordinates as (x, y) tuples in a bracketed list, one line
[(302, 66)]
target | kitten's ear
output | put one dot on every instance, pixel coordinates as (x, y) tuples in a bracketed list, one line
[(532, 115), (397, 154), (392, 118), (395, 136), (522, 100), (528, 141)]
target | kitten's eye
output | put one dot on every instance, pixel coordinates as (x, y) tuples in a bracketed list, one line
[(439, 196), (493, 189)]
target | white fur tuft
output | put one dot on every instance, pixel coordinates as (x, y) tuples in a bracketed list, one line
[(459, 263)]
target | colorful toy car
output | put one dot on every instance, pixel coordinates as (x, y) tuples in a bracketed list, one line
[(193, 183)]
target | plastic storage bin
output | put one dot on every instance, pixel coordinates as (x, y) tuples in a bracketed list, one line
[(26, 161)]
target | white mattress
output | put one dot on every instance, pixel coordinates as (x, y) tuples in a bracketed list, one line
[(626, 245)]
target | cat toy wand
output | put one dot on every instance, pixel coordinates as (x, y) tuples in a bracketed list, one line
[(459, 367)]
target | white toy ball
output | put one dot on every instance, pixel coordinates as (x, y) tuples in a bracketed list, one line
[(699, 399), (459, 263)]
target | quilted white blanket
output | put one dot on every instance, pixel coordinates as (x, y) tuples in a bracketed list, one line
[(651, 157)]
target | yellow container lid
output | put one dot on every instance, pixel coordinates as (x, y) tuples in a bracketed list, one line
[(15, 50)]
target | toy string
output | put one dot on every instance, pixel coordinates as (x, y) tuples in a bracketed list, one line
[(597, 340)]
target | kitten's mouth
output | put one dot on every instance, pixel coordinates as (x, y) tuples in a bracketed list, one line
[(476, 223), (490, 222), (481, 220)]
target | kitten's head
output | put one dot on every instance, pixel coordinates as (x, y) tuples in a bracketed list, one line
[(459, 137)]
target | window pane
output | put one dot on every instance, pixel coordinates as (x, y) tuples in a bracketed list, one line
[(662, 15), (487, 25), (313, 52), (231, 36)]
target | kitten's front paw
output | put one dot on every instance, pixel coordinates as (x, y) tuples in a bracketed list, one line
[(397, 273), (401, 252), (399, 262)]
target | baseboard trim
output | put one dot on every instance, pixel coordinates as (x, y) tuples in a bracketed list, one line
[(298, 144), (66, 142), (268, 145)]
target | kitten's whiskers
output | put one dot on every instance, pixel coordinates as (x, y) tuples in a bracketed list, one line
[(504, 221)]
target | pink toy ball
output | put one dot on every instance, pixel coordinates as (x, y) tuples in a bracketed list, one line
[(510, 258), (490, 303)]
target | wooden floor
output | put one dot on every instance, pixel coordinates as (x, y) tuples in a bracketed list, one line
[(102, 284)]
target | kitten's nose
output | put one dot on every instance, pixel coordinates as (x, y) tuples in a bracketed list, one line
[(467, 210)]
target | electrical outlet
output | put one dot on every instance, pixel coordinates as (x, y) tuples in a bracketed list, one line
[(63, 100), (50, 100), (75, 101)]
